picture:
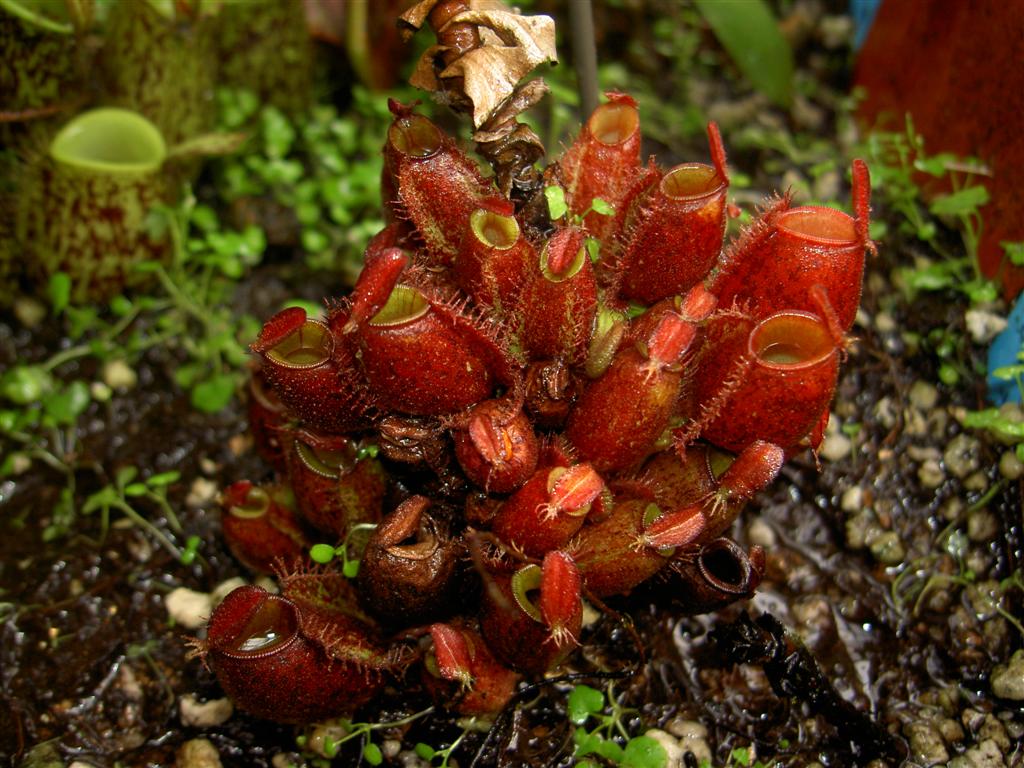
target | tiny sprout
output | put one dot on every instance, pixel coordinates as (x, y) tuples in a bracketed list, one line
[(188, 554), (321, 553), (557, 207)]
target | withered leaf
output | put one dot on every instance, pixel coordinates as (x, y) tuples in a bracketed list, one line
[(512, 45)]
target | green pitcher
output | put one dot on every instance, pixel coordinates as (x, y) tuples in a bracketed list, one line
[(265, 48), (161, 63), (39, 66), (87, 213)]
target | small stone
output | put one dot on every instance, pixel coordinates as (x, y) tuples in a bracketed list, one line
[(759, 532), (982, 526), (286, 760), (976, 482), (924, 453), (671, 746), (19, 464), (926, 746), (30, 312), (187, 607), (835, 447), (885, 412), (239, 444), (887, 548), (985, 755), (993, 730), (884, 322), (930, 474), (209, 466), (1010, 466), (198, 753), (118, 375), (693, 737), (984, 325), (204, 714), (815, 623), (923, 395), (952, 732), (951, 510), (852, 499), (390, 748), (860, 527), (100, 392), (1007, 680), (201, 493), (961, 455)]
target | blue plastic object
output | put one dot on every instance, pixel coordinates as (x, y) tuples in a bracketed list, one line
[(1004, 351), (863, 13)]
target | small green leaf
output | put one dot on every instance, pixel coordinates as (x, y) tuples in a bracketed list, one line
[(103, 498), (350, 569), (59, 291), (740, 756), (602, 207), (425, 751), (372, 754), (125, 475), (644, 752), (163, 479), (65, 407), (593, 246), (965, 201), (213, 394), (314, 241), (25, 384), (584, 701), (135, 489), (610, 750), (321, 553), (555, 196), (586, 743), (948, 374)]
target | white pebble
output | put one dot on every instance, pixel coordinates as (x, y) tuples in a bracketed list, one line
[(852, 499), (202, 492), (188, 608), (117, 374), (984, 325), (836, 447), (923, 395), (198, 753), (204, 714)]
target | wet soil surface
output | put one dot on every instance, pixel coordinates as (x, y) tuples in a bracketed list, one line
[(92, 664)]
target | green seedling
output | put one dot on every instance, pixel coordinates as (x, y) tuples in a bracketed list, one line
[(325, 553), (370, 752), (117, 496), (324, 171), (600, 731)]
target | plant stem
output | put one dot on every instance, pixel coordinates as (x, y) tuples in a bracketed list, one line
[(584, 53)]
